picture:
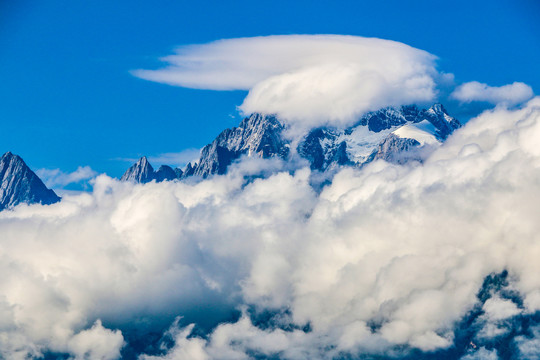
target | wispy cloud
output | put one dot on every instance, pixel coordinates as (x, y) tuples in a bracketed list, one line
[(176, 159), (306, 79), (511, 94), (55, 178)]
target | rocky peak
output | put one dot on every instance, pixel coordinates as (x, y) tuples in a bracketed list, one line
[(257, 135), (140, 172), (374, 136), (19, 184), (388, 117), (189, 170), (438, 116)]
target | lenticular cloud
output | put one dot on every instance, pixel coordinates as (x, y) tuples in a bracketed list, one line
[(309, 80), (384, 261)]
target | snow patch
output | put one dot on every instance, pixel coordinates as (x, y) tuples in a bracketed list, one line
[(423, 132)]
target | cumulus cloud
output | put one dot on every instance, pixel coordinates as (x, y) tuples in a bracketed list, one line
[(511, 94), (54, 178), (383, 260), (306, 79), (96, 343)]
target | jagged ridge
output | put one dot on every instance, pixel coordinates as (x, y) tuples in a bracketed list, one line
[(142, 172), (384, 134)]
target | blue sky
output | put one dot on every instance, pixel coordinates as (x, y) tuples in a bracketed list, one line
[(68, 98)]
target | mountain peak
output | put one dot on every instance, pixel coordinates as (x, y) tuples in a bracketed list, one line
[(381, 134), (19, 184), (258, 135), (439, 117), (143, 160), (437, 108), (143, 172), (140, 172)]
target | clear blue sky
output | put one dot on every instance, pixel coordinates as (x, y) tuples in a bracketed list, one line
[(68, 99)]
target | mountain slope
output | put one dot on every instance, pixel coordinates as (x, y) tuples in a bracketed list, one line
[(19, 184)]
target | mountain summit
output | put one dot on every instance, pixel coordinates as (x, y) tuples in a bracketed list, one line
[(383, 134), (257, 136), (142, 172), (19, 184), (391, 134)]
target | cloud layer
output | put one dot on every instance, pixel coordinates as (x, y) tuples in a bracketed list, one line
[(385, 259), (306, 79)]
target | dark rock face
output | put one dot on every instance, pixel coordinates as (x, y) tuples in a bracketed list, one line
[(312, 150), (321, 148), (444, 123), (178, 173), (257, 135), (189, 170), (165, 173), (395, 150), (386, 118), (142, 172), (19, 184), (339, 156)]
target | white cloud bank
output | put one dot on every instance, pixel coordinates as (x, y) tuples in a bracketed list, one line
[(385, 257), (511, 94), (306, 79)]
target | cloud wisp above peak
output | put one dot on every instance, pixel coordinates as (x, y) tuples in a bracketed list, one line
[(310, 80)]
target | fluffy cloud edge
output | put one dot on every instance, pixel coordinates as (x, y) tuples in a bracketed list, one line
[(510, 94)]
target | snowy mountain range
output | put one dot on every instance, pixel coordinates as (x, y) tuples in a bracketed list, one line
[(391, 134)]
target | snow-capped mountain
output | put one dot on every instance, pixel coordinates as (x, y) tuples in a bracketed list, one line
[(390, 134), (19, 184)]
